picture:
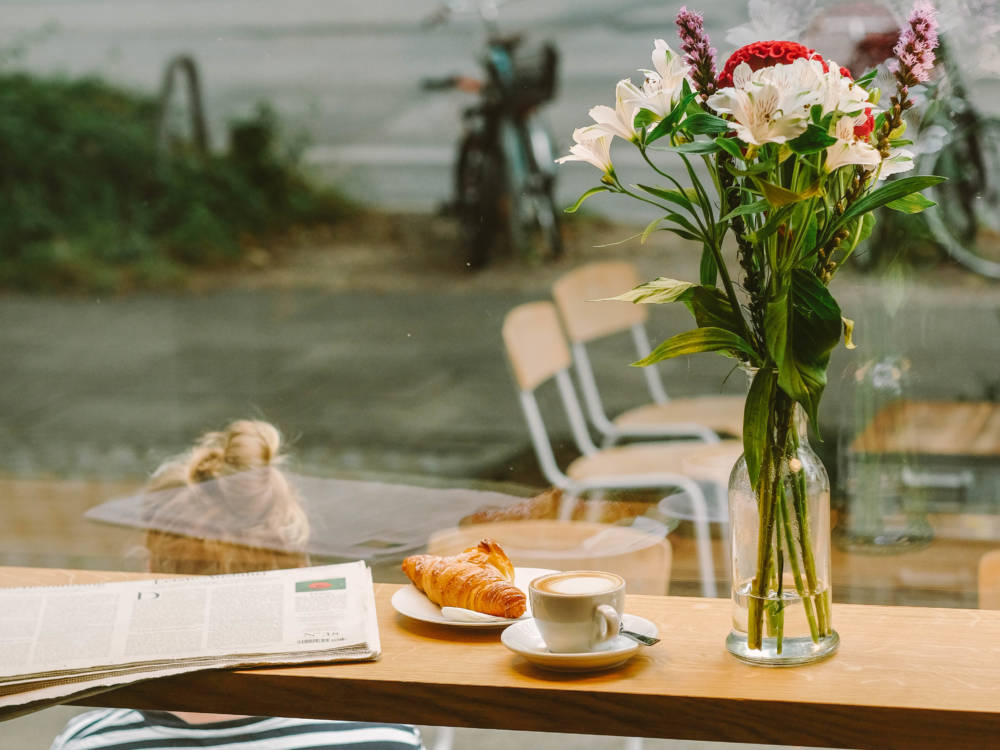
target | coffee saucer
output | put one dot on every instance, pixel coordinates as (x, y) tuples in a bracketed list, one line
[(524, 639)]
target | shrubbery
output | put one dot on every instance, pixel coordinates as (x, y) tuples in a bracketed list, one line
[(89, 202)]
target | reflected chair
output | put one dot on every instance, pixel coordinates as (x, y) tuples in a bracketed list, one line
[(989, 580), (585, 320), (537, 352), (641, 556)]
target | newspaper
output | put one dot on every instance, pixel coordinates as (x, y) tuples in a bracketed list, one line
[(59, 642)]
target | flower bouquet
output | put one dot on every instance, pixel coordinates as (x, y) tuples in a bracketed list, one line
[(796, 151)]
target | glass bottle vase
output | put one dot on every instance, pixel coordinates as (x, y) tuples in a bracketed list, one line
[(781, 598)]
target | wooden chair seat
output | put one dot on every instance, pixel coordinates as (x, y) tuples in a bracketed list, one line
[(641, 558), (989, 580), (700, 461), (724, 414)]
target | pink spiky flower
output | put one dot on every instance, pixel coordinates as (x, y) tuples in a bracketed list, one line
[(914, 60), (915, 49), (698, 51)]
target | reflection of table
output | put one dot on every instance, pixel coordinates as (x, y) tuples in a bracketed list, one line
[(904, 678), (940, 428)]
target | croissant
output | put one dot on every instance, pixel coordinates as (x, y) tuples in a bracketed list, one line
[(480, 578)]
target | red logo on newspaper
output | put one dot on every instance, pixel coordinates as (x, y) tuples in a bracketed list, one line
[(320, 585)]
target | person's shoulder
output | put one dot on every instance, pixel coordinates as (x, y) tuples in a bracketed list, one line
[(348, 734), (89, 725), (110, 729)]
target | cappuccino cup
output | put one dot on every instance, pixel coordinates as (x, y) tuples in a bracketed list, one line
[(578, 610)]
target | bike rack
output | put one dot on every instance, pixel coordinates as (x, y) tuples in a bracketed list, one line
[(185, 67)]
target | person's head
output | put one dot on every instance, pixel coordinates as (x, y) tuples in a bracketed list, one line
[(225, 506)]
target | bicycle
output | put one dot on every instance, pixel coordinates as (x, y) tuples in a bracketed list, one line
[(951, 139), (966, 220), (504, 174)]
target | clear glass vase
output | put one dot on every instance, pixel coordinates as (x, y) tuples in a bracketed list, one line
[(781, 594)]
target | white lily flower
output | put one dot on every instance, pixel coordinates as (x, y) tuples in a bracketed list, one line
[(662, 87), (849, 149), (619, 121), (671, 70), (838, 93), (762, 112), (592, 146), (899, 160)]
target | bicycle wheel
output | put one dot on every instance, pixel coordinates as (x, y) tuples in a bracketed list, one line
[(533, 221), (478, 186), (966, 220)]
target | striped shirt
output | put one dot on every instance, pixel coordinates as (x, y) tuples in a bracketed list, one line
[(126, 729)]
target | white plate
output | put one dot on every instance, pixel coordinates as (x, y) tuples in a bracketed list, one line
[(411, 602), (523, 638)]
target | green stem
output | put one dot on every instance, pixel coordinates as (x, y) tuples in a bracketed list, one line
[(680, 188), (770, 474), (785, 521), (808, 558)]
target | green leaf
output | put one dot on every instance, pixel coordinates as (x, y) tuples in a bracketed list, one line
[(695, 147), (775, 220), (756, 411), (867, 78), (709, 270), (889, 192), (644, 118), (778, 196), (699, 340), (668, 124), (913, 203), (683, 234), (808, 245), (748, 208), (579, 201), (703, 123), (812, 140), (711, 309), (867, 227), (802, 325), (674, 196), (650, 228), (659, 290), (731, 146)]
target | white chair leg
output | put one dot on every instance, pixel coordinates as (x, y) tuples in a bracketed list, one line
[(703, 541), (444, 738)]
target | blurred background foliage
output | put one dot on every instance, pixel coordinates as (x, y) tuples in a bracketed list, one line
[(91, 204)]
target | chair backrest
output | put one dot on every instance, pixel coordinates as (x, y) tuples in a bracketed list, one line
[(535, 343), (642, 558), (989, 580), (577, 291)]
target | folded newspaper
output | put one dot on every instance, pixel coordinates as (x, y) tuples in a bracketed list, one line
[(61, 642)]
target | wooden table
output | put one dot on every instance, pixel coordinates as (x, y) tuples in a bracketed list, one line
[(937, 428), (904, 678)]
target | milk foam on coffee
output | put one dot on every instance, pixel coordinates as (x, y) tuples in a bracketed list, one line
[(583, 583)]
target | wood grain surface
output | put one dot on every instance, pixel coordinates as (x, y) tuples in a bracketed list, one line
[(904, 678), (935, 428)]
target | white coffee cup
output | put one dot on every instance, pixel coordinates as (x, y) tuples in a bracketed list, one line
[(577, 610)]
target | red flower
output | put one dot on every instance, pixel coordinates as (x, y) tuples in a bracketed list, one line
[(764, 54), (865, 129)]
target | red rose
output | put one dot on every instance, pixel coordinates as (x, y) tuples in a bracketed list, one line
[(764, 54)]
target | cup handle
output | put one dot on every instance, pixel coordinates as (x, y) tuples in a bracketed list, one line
[(609, 621)]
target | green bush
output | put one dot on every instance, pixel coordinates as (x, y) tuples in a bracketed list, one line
[(90, 203)]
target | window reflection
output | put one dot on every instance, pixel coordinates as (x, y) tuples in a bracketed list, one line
[(308, 270)]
